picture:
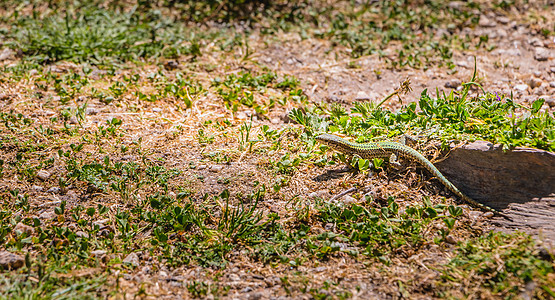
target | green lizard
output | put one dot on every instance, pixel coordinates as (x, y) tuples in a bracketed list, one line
[(391, 150)]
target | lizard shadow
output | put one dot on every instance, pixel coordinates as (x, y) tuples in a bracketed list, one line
[(332, 174)]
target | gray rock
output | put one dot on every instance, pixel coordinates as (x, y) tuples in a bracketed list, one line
[(24, 228), (132, 259), (234, 277), (550, 101), (7, 53), (552, 84), (33, 72), (453, 84), (73, 120), (361, 96), (156, 109), (503, 20), (47, 215), (542, 54), (99, 253), (216, 168), (10, 260), (535, 82), (91, 111), (37, 188), (43, 175), (53, 190), (486, 22), (521, 87)]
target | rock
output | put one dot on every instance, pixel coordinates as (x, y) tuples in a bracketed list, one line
[(319, 194), (10, 260), (542, 54), (33, 72), (156, 109), (132, 259), (99, 253), (453, 84), (91, 111), (361, 96), (486, 22), (43, 175), (37, 188), (73, 120), (47, 215), (82, 234), (234, 277), (521, 87), (450, 240), (503, 20), (7, 53), (534, 82), (54, 190), (349, 200), (536, 42), (549, 100), (216, 168), (24, 228)]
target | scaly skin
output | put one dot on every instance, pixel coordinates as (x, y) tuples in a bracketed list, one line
[(386, 150)]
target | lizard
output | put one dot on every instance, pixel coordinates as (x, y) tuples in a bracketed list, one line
[(390, 150)]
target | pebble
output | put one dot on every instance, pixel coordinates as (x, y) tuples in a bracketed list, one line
[(361, 96), (503, 20), (349, 200), (552, 84), (486, 22), (549, 101), (73, 120), (47, 215), (10, 260), (256, 296), (319, 194), (43, 175), (156, 109), (541, 54), (37, 188), (534, 82), (91, 111), (453, 84), (7, 53), (132, 259), (24, 228), (234, 277), (54, 190), (33, 72), (450, 240), (98, 253), (4, 97), (521, 87), (216, 168), (82, 234)]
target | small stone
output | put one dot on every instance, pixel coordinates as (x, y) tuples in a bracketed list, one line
[(99, 253), (450, 240), (521, 87), (361, 96), (542, 54), (171, 65), (488, 214), (33, 72), (216, 168), (156, 109), (91, 111), (7, 53), (82, 234), (486, 22), (54, 190), (246, 289), (43, 175), (37, 188), (536, 42), (534, 82), (275, 121), (234, 277), (73, 120), (256, 296), (132, 259), (453, 84), (4, 96), (552, 84), (47, 215), (11, 261), (548, 100), (202, 167), (349, 200), (24, 228), (163, 274), (503, 20)]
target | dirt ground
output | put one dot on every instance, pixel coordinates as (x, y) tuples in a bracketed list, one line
[(521, 63)]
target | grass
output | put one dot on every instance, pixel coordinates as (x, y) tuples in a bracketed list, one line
[(151, 158)]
